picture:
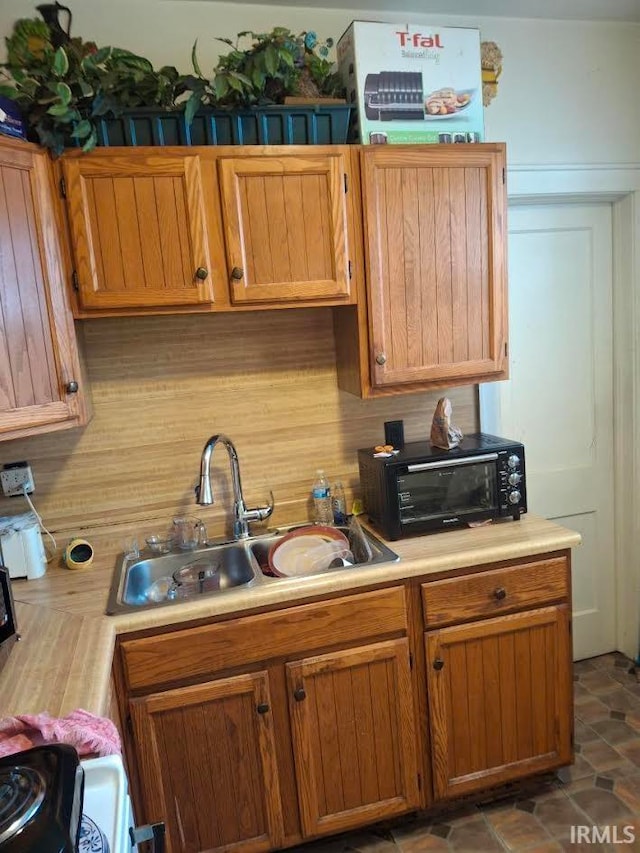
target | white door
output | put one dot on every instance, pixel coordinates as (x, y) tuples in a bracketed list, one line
[(559, 399)]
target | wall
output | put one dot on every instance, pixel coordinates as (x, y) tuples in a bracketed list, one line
[(567, 94), (162, 385)]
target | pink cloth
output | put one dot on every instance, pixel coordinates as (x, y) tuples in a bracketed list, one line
[(86, 732)]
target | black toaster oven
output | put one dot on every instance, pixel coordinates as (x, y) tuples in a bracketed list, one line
[(423, 488)]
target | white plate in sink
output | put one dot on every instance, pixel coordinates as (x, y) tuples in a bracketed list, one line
[(308, 551)]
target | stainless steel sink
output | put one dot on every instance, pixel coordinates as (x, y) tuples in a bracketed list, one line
[(150, 580)]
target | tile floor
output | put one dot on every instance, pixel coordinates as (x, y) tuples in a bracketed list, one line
[(601, 789)]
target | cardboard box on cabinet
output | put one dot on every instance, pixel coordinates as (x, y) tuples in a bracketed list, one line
[(413, 84)]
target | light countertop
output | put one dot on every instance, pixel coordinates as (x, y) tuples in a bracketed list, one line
[(64, 659)]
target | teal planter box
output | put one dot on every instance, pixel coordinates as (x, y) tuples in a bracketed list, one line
[(314, 124)]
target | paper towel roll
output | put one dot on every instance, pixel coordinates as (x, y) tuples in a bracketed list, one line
[(34, 552)]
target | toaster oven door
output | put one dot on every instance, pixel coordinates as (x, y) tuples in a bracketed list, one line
[(449, 491)]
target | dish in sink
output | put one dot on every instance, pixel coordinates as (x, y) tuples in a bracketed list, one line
[(308, 551)]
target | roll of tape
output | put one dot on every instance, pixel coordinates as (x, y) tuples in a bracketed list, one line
[(78, 554)]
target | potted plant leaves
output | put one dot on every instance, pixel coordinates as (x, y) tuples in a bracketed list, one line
[(64, 91), (257, 88), (73, 93), (274, 66)]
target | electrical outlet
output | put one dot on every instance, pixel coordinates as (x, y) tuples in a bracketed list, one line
[(14, 477)]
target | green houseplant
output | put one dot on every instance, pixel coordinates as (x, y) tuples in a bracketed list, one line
[(265, 68), (61, 90), (73, 93)]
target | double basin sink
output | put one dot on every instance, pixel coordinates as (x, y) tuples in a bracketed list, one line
[(153, 581)]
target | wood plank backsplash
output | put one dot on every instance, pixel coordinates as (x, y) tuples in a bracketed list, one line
[(162, 385)]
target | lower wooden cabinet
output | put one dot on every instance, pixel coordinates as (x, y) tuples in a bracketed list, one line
[(207, 757), (343, 722), (353, 736), (500, 699)]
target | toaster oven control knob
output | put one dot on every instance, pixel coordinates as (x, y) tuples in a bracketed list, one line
[(513, 461), (514, 497), (514, 478)]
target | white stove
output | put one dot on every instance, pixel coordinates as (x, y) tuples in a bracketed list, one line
[(106, 812)]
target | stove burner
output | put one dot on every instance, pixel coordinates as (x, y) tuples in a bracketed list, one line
[(21, 794)]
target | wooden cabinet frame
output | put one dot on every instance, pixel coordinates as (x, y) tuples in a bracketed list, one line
[(289, 268), (117, 276), (407, 243), (424, 321), (499, 691), (145, 715), (395, 627), (370, 777), (39, 335)]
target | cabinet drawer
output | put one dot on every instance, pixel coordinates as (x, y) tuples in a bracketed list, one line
[(198, 652), (496, 591)]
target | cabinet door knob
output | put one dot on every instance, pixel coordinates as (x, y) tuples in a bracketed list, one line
[(262, 708), (72, 387), (500, 593), (438, 663), (299, 694), (381, 358), (237, 273), (202, 273)]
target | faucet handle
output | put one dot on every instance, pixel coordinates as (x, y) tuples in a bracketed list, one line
[(265, 511), (259, 513)]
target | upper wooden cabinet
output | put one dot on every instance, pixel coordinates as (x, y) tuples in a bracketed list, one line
[(41, 387), (285, 225), (435, 247), (409, 240), (139, 229), (211, 228)]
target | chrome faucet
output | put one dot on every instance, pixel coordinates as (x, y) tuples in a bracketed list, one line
[(242, 516)]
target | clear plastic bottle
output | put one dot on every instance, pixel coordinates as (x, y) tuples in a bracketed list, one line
[(321, 492), (339, 503)]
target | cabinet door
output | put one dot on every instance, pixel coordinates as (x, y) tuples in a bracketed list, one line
[(435, 239), (139, 230), (285, 224), (38, 350), (206, 758), (353, 736), (500, 699)]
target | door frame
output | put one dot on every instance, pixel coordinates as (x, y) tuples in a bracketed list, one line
[(618, 185)]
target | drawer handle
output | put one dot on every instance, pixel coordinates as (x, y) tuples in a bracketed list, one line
[(438, 663), (262, 708), (237, 273), (500, 593), (202, 273), (299, 694)]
